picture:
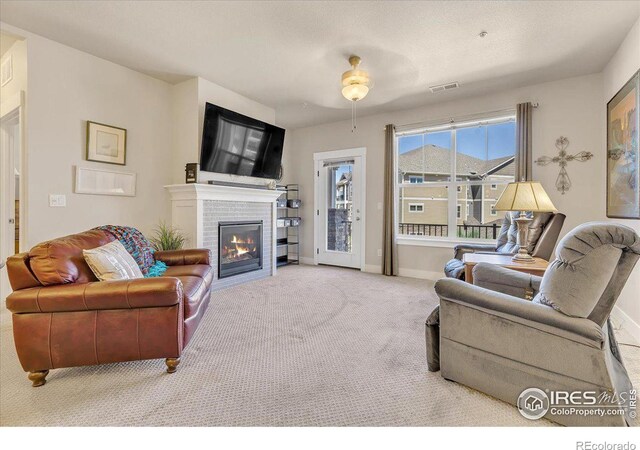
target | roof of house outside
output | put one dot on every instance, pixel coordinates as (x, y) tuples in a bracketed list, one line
[(438, 162), (344, 179)]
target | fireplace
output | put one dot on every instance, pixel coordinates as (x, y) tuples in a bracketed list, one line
[(239, 247)]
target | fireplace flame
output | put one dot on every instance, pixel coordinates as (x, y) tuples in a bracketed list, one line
[(240, 247)]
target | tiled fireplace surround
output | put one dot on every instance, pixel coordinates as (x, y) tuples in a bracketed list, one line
[(196, 210)]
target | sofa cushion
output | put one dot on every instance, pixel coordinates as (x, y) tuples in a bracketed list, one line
[(203, 271), (61, 261), (194, 289), (112, 262)]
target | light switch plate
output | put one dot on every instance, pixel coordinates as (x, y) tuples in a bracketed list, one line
[(57, 200)]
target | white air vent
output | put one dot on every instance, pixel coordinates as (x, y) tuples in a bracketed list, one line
[(6, 71), (444, 87)]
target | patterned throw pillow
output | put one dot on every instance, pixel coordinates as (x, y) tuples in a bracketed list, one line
[(112, 262)]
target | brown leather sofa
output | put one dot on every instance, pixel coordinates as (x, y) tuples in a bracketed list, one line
[(64, 317)]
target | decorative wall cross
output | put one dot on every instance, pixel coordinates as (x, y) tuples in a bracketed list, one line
[(563, 182)]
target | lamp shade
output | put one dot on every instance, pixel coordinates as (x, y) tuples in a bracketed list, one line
[(524, 196)]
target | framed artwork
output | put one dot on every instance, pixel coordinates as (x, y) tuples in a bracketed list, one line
[(623, 163), (106, 144), (105, 182)]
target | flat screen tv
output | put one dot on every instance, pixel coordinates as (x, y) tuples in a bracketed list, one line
[(239, 145)]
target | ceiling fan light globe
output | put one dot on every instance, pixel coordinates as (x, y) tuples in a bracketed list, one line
[(355, 92)]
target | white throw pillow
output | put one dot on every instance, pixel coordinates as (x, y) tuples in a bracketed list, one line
[(112, 262)]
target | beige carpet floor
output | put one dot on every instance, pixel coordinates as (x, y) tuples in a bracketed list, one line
[(314, 346)]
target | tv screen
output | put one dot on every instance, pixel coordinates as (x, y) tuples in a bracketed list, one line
[(239, 145)]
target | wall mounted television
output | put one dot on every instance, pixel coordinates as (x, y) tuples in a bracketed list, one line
[(239, 145)]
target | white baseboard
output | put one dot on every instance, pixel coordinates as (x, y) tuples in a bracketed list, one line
[(625, 324), (422, 274), (306, 260)]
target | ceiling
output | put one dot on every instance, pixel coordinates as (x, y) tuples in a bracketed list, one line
[(290, 55)]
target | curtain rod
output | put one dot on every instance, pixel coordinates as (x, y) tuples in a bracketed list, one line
[(453, 120)]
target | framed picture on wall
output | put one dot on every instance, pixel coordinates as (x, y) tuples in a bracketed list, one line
[(106, 144), (623, 162)]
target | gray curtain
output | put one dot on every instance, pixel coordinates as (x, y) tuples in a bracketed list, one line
[(389, 249), (524, 158)]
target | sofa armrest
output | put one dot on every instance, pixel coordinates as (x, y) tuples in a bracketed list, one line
[(184, 257), (507, 281), (526, 313), (461, 249), (99, 295)]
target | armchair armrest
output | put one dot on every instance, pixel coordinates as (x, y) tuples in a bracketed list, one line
[(184, 257), (461, 249), (526, 313), (507, 281), (121, 294)]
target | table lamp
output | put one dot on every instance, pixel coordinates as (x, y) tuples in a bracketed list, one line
[(524, 196)]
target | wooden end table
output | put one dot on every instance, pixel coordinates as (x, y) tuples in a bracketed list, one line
[(471, 259)]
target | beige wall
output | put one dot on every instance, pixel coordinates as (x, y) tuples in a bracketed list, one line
[(188, 103), (618, 71), (570, 107), (66, 88), (18, 54)]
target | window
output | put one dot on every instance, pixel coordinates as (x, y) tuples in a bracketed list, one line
[(416, 207), (448, 169)]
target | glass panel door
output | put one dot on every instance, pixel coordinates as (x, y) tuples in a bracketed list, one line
[(339, 226), (339, 204)]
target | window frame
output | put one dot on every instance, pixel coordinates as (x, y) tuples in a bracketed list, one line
[(453, 184), (421, 205)]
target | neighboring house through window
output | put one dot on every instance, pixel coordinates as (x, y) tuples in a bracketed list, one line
[(450, 176)]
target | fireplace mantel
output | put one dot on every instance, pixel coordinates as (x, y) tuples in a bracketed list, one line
[(196, 191), (197, 208)]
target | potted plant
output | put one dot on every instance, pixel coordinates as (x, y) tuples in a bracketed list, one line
[(167, 237)]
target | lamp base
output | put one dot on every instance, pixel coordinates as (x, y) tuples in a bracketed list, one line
[(523, 229), (523, 257)]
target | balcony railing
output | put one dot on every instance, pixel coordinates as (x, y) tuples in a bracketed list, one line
[(462, 231)]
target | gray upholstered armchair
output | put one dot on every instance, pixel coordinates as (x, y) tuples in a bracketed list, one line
[(543, 235), (493, 340)]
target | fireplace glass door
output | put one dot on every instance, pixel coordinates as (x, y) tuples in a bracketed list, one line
[(240, 248)]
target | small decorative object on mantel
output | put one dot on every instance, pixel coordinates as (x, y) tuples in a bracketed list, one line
[(623, 154), (106, 143), (563, 182), (191, 172)]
